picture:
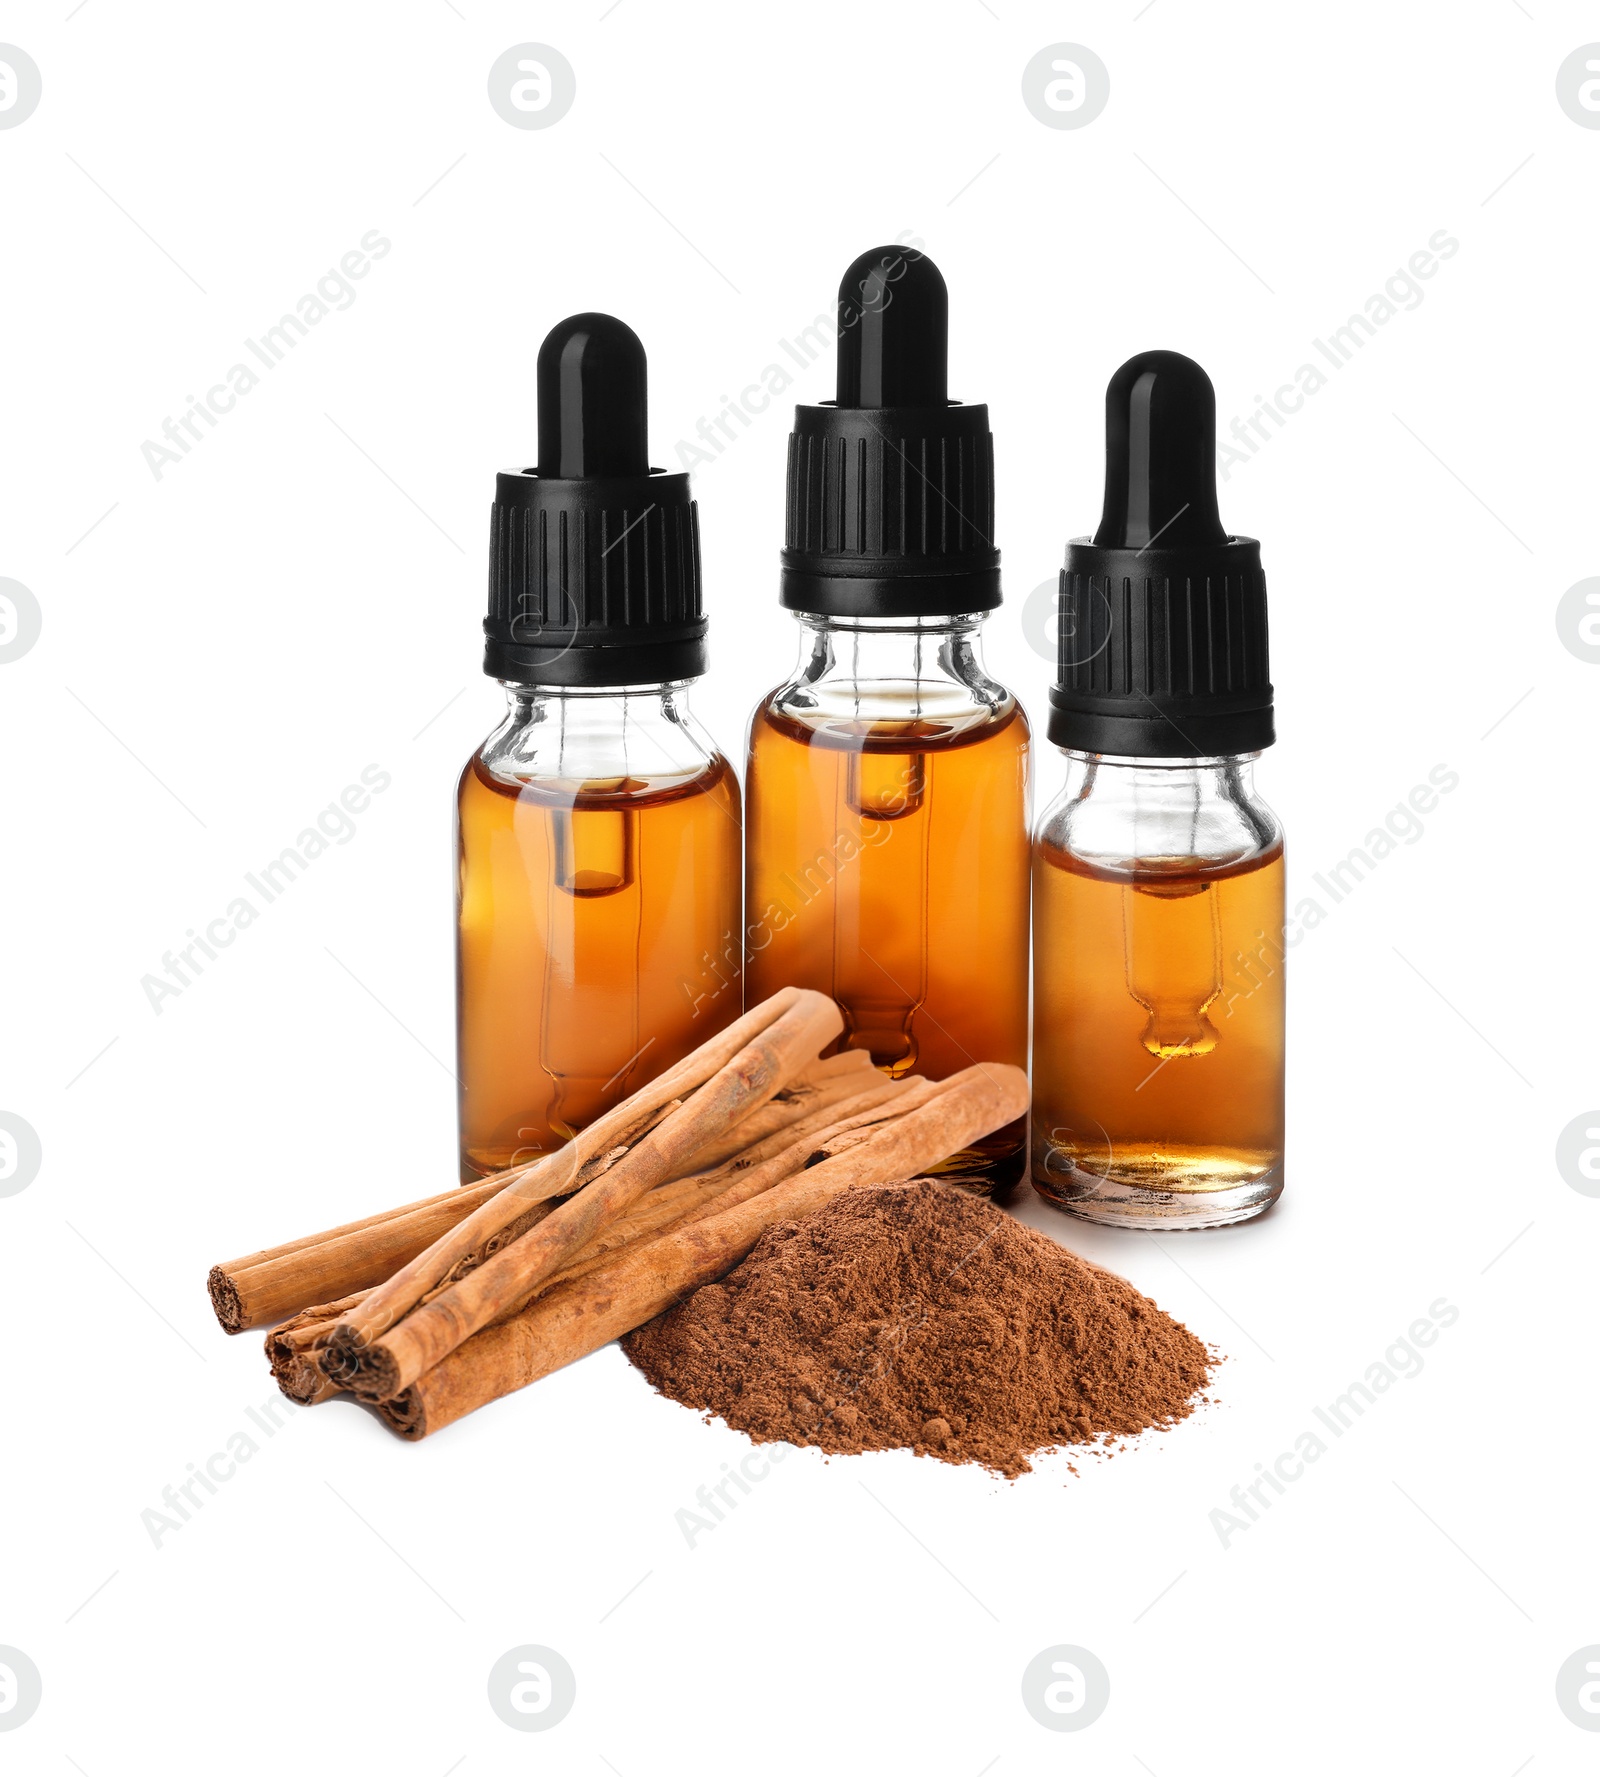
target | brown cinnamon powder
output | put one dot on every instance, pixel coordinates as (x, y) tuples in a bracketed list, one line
[(918, 1316)]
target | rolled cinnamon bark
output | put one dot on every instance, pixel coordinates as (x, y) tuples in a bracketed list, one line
[(822, 1084), (665, 1207), (293, 1347), (291, 1351), (817, 1114), (377, 1353), (265, 1286), (840, 1127), (583, 1314), (262, 1287), (565, 1170)]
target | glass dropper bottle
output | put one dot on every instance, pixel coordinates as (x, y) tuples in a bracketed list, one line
[(1158, 1009), (887, 788), (598, 827)]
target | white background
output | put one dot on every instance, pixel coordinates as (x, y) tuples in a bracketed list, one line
[(224, 649)]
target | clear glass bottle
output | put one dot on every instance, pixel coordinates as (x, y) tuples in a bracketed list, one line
[(887, 790), (598, 829), (888, 853), (1158, 993), (1158, 880), (598, 847)]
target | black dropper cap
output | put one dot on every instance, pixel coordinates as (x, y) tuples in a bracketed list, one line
[(594, 557), (890, 509), (1162, 649)]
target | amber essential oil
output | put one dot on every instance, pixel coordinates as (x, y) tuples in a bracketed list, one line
[(589, 915), (888, 867), (1160, 1024)]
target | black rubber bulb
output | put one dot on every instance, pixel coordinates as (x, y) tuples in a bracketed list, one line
[(1161, 456), (591, 386), (894, 331)]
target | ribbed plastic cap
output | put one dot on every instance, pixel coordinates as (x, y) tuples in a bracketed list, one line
[(594, 557), (890, 508), (1162, 649)]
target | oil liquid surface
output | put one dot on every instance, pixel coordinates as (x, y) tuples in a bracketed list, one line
[(1158, 1023), (593, 920), (888, 866)]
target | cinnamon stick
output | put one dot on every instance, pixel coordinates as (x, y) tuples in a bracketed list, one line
[(377, 1353), (586, 1312), (297, 1274), (793, 1151), (822, 1084), (666, 1206), (262, 1287), (279, 1280), (292, 1348)]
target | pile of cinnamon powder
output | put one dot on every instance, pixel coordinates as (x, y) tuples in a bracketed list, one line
[(918, 1316)]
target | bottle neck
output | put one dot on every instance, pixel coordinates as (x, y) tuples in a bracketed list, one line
[(1163, 777), (589, 702)]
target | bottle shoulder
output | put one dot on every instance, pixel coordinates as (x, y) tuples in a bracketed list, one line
[(854, 677), (879, 719), (1121, 822), (609, 749), (628, 789), (1152, 870)]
